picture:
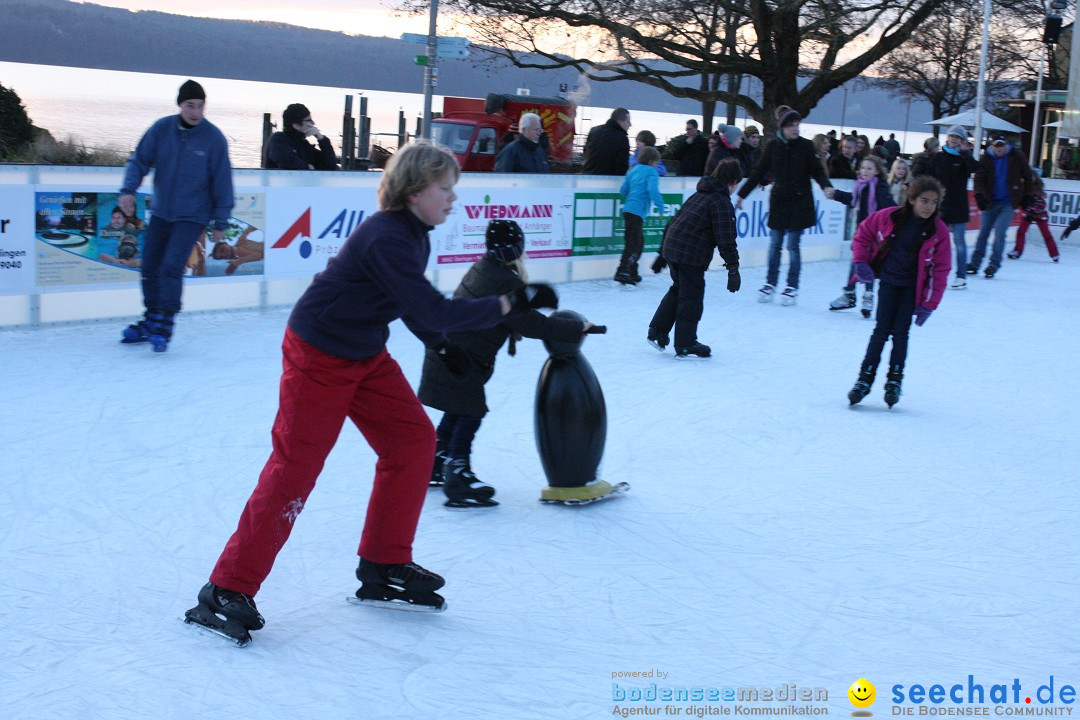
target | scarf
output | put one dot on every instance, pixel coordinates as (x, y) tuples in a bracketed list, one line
[(871, 194)]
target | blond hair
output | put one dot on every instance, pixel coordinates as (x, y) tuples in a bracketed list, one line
[(897, 163), (414, 167)]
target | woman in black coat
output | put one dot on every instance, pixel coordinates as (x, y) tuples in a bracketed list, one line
[(791, 161), (953, 167), (459, 393)]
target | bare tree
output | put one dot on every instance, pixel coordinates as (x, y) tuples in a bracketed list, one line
[(940, 61), (686, 47)]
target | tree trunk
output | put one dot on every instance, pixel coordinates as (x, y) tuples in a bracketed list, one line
[(733, 87)]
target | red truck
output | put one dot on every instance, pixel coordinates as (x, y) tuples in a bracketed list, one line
[(475, 130)]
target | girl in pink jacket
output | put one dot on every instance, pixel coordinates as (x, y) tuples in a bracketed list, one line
[(908, 249)]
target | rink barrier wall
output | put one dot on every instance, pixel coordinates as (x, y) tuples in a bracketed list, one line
[(51, 271)]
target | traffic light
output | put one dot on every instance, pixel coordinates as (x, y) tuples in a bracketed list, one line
[(1052, 30)]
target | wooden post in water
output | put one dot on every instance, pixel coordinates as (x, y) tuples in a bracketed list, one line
[(268, 130)]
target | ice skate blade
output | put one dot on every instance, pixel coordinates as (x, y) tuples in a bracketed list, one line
[(616, 490), (238, 637), (656, 345), (469, 504), (399, 604)]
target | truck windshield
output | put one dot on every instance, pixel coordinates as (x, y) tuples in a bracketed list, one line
[(454, 136)]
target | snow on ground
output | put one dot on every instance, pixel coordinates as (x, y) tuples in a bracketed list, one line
[(772, 535)]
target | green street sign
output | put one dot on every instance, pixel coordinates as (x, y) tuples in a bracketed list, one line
[(420, 60)]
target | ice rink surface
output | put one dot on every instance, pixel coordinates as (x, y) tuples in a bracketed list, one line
[(772, 535)]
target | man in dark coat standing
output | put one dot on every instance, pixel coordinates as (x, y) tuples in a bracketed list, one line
[(953, 167), (1002, 183), (607, 149), (792, 161), (289, 149), (692, 151), (526, 154)]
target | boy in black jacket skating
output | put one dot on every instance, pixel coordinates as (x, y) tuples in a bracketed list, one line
[(460, 395), (705, 221)]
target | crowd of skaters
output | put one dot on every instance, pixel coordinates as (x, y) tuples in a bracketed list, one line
[(336, 366)]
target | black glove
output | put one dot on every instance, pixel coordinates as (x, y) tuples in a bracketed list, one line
[(981, 203), (454, 358), (734, 280), (596, 330), (533, 296), (1072, 226), (659, 264)]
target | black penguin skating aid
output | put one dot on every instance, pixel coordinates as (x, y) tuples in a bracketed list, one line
[(570, 420)]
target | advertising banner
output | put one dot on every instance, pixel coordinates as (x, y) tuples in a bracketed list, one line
[(544, 216), (305, 229), (599, 227), (16, 240), (83, 238)]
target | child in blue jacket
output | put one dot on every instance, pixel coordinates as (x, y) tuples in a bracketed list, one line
[(640, 191)]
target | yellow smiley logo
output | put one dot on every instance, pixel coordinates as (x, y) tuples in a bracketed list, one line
[(862, 693)]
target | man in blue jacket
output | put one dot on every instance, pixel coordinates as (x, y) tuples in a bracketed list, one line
[(192, 188)]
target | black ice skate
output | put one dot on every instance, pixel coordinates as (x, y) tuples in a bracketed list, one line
[(463, 489), (862, 386), (441, 457), (892, 392), (658, 339), (400, 587), (226, 613), (697, 351), (892, 387)]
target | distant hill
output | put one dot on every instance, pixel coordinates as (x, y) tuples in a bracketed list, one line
[(59, 32)]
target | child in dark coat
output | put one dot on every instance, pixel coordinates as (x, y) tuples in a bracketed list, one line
[(461, 395), (705, 221), (908, 248), (870, 194)]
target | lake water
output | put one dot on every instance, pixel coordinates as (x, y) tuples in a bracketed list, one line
[(112, 109)]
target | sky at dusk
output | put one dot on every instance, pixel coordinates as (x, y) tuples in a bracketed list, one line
[(355, 17)]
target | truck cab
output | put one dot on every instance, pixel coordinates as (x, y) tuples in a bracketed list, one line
[(476, 130)]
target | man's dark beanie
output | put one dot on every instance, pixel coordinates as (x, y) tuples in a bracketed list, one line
[(295, 113), (190, 90)]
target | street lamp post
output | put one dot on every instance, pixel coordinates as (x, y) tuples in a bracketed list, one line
[(980, 96), (430, 70)]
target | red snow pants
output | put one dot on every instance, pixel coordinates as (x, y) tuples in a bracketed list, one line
[(318, 391), (1044, 228)]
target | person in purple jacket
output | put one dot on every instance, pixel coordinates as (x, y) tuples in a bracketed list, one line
[(336, 366), (908, 249)]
